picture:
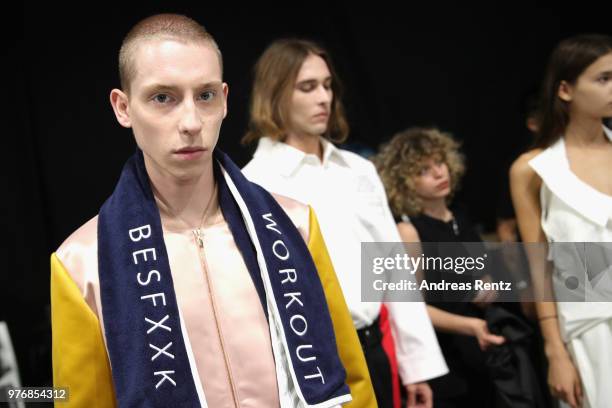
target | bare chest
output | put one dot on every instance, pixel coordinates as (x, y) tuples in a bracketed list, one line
[(593, 167)]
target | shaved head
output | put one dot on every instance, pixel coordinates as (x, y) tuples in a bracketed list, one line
[(174, 27)]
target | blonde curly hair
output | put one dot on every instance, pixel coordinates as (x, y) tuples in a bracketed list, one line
[(400, 160)]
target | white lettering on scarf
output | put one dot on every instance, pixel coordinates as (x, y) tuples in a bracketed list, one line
[(297, 322), (158, 299)]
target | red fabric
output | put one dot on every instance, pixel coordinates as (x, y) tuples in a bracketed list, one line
[(389, 347)]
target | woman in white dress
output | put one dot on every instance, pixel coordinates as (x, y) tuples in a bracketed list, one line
[(562, 192)]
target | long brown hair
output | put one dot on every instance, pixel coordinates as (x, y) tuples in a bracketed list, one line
[(274, 80), (567, 62)]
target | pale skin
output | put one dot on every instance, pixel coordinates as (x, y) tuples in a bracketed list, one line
[(175, 105), (310, 106), (309, 113), (589, 153), (432, 185)]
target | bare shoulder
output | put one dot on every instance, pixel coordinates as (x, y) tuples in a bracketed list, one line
[(520, 169), (408, 232)]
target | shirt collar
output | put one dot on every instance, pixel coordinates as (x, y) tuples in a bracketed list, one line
[(331, 152), (608, 131), (553, 167), (288, 159)]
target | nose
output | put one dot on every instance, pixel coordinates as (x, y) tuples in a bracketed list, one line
[(439, 170), (190, 122), (324, 95)]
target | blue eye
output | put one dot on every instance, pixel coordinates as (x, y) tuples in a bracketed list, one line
[(207, 95), (161, 98)]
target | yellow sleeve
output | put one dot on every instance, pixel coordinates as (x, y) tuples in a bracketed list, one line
[(349, 348), (80, 361)]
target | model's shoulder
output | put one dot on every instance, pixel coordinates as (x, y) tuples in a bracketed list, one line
[(78, 254), (252, 166), (262, 171), (407, 231), (355, 160), (298, 212), (84, 237), (520, 168)]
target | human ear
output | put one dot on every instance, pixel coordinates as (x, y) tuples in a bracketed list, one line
[(119, 102), (225, 92), (565, 91)]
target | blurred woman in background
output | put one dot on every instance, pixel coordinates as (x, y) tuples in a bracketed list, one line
[(562, 192)]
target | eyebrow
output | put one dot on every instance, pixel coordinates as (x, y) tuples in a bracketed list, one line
[(605, 73), (165, 87)]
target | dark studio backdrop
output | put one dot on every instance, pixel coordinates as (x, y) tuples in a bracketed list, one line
[(466, 70)]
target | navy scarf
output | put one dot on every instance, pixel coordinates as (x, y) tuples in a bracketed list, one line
[(151, 359)]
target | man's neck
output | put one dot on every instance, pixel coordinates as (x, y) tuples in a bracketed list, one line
[(185, 203), (309, 144)]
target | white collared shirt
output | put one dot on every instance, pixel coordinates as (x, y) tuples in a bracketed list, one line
[(608, 128), (351, 205)]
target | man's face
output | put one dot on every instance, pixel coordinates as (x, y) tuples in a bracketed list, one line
[(311, 100), (176, 104)]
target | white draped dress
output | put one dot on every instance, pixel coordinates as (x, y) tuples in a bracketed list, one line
[(574, 212)]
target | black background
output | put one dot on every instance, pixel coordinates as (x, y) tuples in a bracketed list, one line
[(466, 70)]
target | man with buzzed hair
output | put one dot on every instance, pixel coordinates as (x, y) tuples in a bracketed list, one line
[(193, 287)]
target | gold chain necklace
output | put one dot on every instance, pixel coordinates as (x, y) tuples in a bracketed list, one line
[(198, 231)]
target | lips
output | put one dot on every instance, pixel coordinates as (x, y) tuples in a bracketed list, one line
[(442, 185), (189, 153), (189, 149)]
